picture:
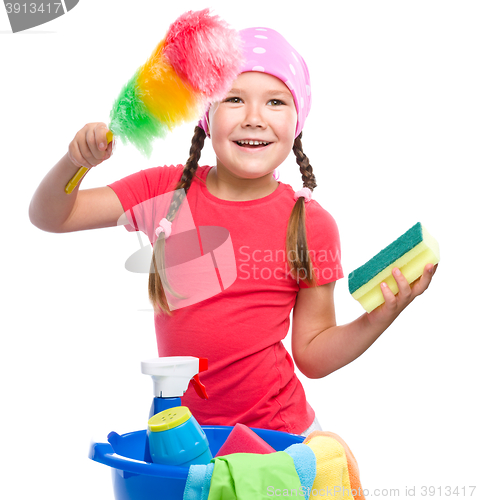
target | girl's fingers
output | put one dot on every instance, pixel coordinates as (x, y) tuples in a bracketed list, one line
[(404, 295), (389, 297), (394, 304), (88, 159), (90, 146), (403, 286), (75, 155), (94, 150), (420, 285), (93, 139), (100, 132), (109, 151)]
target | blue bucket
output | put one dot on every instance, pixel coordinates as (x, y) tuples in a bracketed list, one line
[(134, 479)]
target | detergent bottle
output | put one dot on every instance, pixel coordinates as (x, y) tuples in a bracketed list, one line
[(176, 438), (174, 434)]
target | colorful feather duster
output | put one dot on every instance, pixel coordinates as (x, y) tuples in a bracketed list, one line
[(193, 65)]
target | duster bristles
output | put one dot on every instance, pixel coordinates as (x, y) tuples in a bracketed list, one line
[(205, 51), (132, 121), (171, 100), (193, 65)]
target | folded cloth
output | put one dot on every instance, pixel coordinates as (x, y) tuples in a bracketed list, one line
[(198, 482), (337, 472), (305, 466), (246, 476)]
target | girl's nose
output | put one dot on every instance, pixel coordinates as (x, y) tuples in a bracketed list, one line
[(253, 117)]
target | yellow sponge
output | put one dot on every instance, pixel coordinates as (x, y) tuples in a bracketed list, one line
[(410, 253)]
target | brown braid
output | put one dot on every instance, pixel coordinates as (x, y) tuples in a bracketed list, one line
[(157, 278), (299, 259), (306, 170)]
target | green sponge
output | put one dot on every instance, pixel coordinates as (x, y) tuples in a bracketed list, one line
[(410, 253)]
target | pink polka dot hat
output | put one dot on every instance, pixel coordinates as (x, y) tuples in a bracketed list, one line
[(267, 51)]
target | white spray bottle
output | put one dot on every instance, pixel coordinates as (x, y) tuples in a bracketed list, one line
[(171, 377)]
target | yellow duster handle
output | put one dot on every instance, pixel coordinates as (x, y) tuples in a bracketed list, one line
[(82, 170)]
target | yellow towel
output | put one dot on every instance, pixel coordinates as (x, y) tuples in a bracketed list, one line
[(337, 472)]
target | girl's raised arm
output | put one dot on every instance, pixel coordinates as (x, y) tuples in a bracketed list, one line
[(51, 209)]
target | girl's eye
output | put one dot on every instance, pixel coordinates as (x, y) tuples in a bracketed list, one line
[(233, 100), (276, 102)]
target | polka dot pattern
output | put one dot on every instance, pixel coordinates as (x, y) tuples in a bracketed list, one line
[(267, 51)]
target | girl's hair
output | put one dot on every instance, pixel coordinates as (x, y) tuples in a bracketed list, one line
[(299, 261)]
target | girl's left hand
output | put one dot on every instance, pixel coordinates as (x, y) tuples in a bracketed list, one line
[(395, 304)]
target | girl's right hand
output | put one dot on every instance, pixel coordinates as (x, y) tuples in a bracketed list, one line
[(90, 146)]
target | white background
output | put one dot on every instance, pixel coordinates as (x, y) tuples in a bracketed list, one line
[(392, 139)]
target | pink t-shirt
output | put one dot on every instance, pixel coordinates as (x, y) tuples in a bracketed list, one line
[(240, 326)]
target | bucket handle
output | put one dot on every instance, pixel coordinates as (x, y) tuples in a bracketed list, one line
[(105, 454)]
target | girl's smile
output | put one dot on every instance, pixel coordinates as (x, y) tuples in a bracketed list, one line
[(252, 146)]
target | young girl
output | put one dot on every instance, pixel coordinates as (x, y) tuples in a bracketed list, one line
[(286, 246)]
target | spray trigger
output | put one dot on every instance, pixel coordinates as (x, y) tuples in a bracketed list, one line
[(199, 387), (196, 383)]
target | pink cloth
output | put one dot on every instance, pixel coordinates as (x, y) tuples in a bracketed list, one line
[(267, 51), (240, 328)]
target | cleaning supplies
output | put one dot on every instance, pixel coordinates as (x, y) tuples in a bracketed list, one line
[(195, 64), (200, 477), (250, 476), (135, 478), (336, 467), (176, 438), (410, 253), (304, 460), (243, 440), (171, 377)]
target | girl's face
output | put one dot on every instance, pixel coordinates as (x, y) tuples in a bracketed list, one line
[(258, 108)]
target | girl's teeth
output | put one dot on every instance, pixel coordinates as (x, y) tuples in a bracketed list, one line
[(253, 143)]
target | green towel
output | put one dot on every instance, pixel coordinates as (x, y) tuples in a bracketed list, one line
[(246, 476)]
